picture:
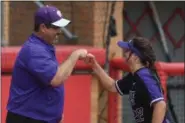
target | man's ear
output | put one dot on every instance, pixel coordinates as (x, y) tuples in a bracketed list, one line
[(42, 28)]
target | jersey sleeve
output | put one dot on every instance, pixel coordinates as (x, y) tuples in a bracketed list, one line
[(151, 85), (124, 85), (41, 65)]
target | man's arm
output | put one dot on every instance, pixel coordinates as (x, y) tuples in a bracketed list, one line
[(43, 67), (66, 68), (159, 112)]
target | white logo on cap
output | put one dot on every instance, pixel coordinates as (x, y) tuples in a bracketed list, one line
[(59, 13)]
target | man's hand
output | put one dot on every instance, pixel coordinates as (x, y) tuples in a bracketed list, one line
[(62, 120), (81, 53)]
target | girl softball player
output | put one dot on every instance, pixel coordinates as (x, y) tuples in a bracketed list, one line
[(141, 83)]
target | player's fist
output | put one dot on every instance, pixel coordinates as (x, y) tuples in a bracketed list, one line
[(90, 59)]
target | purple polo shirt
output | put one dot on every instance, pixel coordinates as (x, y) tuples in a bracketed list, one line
[(31, 94), (143, 91)]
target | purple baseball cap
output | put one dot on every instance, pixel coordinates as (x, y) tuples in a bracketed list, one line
[(50, 15), (129, 46)]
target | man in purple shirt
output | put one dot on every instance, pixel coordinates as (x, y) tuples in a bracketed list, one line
[(141, 83), (37, 90)]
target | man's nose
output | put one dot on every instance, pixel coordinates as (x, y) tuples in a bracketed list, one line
[(59, 32)]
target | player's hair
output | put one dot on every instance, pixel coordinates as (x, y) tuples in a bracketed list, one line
[(146, 50)]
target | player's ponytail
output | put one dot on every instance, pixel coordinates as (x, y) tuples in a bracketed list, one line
[(146, 50)]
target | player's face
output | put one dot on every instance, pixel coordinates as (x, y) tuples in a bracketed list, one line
[(126, 54), (130, 57)]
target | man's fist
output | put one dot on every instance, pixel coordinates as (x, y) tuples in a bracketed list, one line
[(81, 53)]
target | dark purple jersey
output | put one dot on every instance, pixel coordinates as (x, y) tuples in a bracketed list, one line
[(143, 90)]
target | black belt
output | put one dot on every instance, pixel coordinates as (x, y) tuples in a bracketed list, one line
[(16, 118)]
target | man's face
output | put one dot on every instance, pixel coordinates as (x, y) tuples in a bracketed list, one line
[(51, 33)]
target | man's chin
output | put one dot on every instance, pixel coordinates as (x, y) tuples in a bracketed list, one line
[(55, 42)]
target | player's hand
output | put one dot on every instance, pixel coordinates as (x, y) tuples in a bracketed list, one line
[(90, 59), (81, 53)]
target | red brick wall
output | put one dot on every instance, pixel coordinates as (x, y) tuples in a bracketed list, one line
[(21, 21), (80, 13), (88, 21)]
